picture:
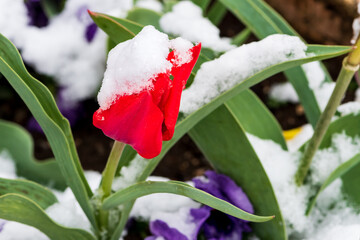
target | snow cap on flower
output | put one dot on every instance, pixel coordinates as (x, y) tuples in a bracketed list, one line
[(140, 95), (133, 65)]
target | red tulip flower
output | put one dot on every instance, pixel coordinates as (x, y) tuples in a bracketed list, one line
[(148, 117)]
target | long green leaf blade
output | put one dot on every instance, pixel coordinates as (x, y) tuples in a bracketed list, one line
[(14, 207), (230, 152), (56, 128), (14, 137), (144, 17), (216, 13), (39, 194), (255, 118), (179, 188)]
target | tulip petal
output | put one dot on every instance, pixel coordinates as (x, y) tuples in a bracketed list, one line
[(134, 120), (180, 76)]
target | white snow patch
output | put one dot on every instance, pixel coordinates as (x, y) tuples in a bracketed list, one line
[(349, 108), (8, 168), (356, 26), (60, 49), (186, 20), (357, 95), (132, 65), (283, 92), (331, 211), (130, 174), (326, 161), (217, 76), (303, 136)]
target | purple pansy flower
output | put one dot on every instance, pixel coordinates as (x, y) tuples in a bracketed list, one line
[(36, 13), (213, 224), (91, 28)]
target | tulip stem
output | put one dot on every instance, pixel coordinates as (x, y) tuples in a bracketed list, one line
[(108, 177), (110, 169), (347, 72)]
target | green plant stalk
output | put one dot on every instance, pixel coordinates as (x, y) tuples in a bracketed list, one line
[(347, 72), (107, 179)]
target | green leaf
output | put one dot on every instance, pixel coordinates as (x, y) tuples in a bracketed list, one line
[(179, 188), (14, 207), (337, 173), (230, 152), (14, 137), (56, 128), (241, 38), (39, 194), (144, 17), (216, 13), (52, 7), (263, 21), (255, 118), (203, 4)]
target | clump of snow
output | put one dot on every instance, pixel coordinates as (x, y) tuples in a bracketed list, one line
[(304, 135), (130, 174), (164, 206), (186, 20), (316, 77), (8, 168), (132, 65), (60, 49), (331, 212), (281, 167), (357, 95), (284, 92), (349, 108), (150, 4), (325, 161), (215, 77)]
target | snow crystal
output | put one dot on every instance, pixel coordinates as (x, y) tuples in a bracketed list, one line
[(215, 77), (132, 65), (60, 49), (150, 4), (186, 20)]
